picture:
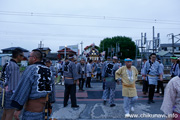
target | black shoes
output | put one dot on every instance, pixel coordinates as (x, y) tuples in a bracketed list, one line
[(157, 92), (112, 105), (104, 102), (75, 106), (150, 101), (65, 105), (81, 90)]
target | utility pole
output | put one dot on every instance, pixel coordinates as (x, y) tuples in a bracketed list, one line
[(172, 43), (172, 37), (81, 46), (40, 45), (154, 41), (136, 53), (141, 45)]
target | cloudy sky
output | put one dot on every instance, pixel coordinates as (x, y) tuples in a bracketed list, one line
[(57, 23)]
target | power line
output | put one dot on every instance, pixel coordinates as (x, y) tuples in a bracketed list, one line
[(12, 33), (90, 17), (71, 25)]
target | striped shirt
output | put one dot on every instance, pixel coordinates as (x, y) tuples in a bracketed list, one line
[(12, 75), (35, 83)]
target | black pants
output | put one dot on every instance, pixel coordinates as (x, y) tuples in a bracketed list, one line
[(160, 85), (98, 75), (151, 91), (70, 90), (88, 82), (145, 86), (81, 83)]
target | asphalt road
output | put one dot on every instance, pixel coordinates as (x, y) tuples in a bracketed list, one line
[(91, 106)]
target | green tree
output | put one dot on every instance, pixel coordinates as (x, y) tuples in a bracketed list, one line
[(127, 46)]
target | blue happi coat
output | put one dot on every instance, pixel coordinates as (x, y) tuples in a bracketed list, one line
[(152, 71)]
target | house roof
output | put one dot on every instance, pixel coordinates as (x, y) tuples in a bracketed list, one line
[(91, 46), (67, 50), (45, 48), (52, 56), (12, 48), (163, 53)]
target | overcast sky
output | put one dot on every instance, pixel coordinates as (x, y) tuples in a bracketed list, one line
[(25, 23)]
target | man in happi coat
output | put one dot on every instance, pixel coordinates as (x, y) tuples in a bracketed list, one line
[(128, 76), (31, 92), (108, 74), (89, 74), (171, 101), (174, 67), (151, 72), (81, 69), (70, 80), (53, 71), (11, 75)]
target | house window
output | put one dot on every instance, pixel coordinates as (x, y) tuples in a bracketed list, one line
[(164, 48)]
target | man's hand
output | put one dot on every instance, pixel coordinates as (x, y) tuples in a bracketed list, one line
[(144, 78), (161, 78), (16, 115), (76, 82), (118, 82)]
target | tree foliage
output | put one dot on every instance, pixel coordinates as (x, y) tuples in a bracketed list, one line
[(127, 46)]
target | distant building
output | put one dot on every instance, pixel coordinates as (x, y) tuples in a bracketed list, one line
[(52, 56), (72, 47), (4, 58), (7, 53), (45, 50), (67, 51), (9, 50), (165, 57), (168, 47)]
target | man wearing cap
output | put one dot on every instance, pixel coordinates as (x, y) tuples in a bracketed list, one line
[(151, 72), (70, 79), (108, 75), (128, 76), (81, 68), (174, 66)]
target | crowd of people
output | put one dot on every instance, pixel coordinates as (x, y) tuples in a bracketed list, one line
[(34, 90)]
